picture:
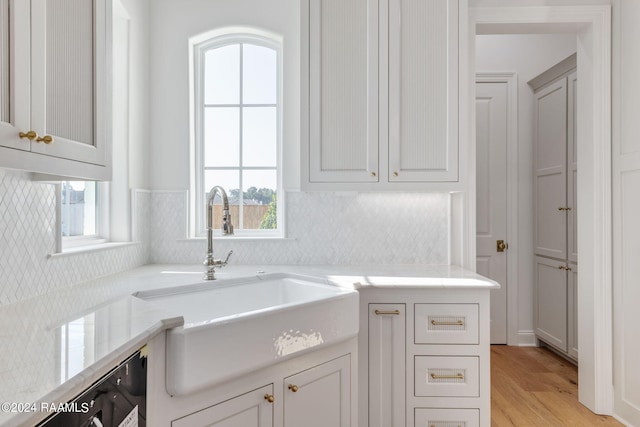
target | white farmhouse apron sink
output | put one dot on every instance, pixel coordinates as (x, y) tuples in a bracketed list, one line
[(235, 326)]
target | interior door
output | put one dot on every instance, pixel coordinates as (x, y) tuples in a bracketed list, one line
[(491, 193)]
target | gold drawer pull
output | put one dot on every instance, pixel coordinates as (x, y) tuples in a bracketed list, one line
[(447, 377), (385, 312), (269, 398), (433, 425), (458, 323)]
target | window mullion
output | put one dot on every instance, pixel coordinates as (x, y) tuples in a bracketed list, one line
[(241, 112)]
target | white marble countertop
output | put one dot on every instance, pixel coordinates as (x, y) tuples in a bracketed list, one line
[(56, 345)]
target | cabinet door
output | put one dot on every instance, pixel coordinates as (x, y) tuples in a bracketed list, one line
[(252, 409), (572, 168), (14, 73), (572, 285), (320, 396), (387, 324), (550, 302), (423, 90), (550, 159), (343, 96), (70, 70)]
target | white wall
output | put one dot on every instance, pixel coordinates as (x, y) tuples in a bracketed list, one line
[(528, 56), (173, 22)]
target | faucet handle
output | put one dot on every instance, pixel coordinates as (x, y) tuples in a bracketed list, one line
[(227, 258)]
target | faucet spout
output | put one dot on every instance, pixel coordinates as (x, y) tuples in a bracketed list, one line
[(210, 262)]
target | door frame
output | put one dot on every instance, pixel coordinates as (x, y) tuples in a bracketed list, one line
[(592, 25), (511, 80)]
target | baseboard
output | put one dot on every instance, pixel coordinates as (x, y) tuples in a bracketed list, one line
[(527, 339), (622, 420)]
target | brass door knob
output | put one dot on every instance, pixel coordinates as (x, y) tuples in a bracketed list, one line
[(269, 398), (31, 135), (293, 388), (47, 139)]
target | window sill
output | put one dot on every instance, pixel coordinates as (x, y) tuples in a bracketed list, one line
[(243, 238), (90, 248)]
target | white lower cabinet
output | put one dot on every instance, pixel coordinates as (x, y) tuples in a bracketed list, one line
[(387, 336), (428, 417), (320, 396), (316, 397), (427, 362), (252, 409)]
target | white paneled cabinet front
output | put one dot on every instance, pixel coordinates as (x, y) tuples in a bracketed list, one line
[(550, 302), (427, 357), (56, 92), (252, 409), (383, 94), (387, 324), (343, 91), (423, 90), (320, 396)]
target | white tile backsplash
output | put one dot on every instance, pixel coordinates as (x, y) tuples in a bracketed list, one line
[(322, 228), (28, 237)]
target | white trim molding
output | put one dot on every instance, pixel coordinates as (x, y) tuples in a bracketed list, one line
[(592, 25)]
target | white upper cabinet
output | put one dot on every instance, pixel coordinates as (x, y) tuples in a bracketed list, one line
[(382, 107), (58, 73), (423, 90), (343, 91), (14, 73)]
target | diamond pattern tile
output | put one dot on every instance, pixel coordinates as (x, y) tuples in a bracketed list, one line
[(325, 228), (28, 236)]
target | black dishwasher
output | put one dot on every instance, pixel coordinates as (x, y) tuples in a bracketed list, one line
[(118, 398)]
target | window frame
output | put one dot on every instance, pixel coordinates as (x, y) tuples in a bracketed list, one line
[(65, 243), (199, 46)]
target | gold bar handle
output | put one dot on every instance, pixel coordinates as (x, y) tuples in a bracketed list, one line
[(447, 377), (386, 312), (458, 323)]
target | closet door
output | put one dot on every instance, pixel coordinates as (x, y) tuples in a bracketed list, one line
[(550, 157), (572, 169), (550, 301)]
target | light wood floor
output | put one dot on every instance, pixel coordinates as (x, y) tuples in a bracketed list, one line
[(534, 387)]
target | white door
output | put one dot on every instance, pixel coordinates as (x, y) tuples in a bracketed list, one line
[(491, 193)]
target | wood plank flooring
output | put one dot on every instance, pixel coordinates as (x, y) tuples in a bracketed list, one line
[(534, 387)]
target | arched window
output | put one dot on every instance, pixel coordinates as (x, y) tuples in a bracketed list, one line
[(236, 118)]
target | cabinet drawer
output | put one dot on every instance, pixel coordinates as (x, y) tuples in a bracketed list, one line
[(427, 417), (446, 324), (437, 376)]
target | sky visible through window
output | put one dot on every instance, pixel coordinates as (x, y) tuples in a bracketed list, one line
[(240, 129)]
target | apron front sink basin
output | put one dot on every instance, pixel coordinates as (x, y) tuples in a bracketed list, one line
[(232, 327)]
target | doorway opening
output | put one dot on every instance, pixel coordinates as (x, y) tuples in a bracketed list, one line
[(591, 29)]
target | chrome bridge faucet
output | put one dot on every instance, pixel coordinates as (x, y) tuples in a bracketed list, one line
[(210, 262)]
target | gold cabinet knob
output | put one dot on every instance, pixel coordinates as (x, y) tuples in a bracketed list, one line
[(395, 174), (293, 388), (269, 398), (373, 174), (47, 139), (31, 135)]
